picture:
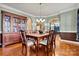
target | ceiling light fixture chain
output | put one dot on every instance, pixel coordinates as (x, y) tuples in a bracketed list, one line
[(41, 19), (40, 9)]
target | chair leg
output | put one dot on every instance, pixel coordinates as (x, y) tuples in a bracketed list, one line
[(54, 47), (28, 51), (47, 51), (24, 49), (35, 49), (51, 49), (54, 51)]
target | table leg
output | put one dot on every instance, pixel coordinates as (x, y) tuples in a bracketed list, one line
[(37, 47)]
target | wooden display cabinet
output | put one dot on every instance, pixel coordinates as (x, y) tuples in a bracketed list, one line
[(12, 23)]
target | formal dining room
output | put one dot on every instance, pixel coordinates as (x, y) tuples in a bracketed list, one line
[(39, 29)]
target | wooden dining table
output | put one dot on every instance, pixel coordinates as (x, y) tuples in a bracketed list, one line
[(37, 37)]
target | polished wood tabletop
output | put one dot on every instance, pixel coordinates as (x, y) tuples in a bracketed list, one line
[(37, 34)]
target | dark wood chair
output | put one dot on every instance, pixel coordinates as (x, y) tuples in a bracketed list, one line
[(49, 42), (26, 43), (53, 42)]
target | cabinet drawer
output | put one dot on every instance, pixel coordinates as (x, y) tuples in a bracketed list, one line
[(10, 38)]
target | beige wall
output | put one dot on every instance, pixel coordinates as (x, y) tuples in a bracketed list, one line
[(29, 24)]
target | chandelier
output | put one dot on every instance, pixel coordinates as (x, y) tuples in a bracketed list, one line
[(41, 19)]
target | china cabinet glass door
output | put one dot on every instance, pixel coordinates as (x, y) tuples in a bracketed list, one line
[(7, 24), (22, 25), (18, 24), (15, 21)]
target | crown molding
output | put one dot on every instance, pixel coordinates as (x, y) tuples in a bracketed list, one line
[(63, 11), (8, 8)]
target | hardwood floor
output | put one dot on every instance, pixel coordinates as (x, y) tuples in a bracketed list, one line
[(62, 49)]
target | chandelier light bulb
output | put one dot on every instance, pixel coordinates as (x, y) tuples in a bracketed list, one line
[(37, 20)]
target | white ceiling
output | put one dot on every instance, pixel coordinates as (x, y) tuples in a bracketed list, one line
[(46, 8)]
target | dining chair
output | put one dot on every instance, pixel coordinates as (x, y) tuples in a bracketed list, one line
[(26, 42), (53, 42), (48, 42)]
